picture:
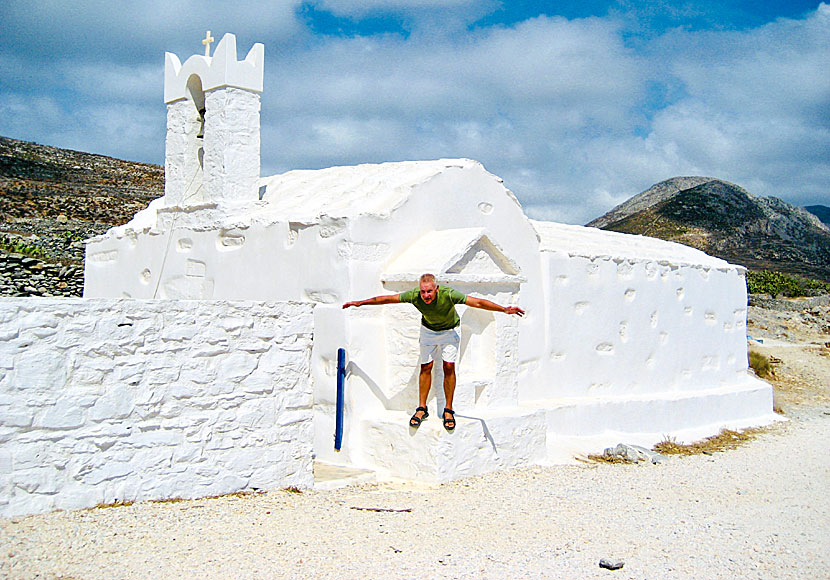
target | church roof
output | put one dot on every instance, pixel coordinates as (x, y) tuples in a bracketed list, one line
[(345, 192), (592, 243)]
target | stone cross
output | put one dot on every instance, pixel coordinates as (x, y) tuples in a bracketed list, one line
[(208, 39)]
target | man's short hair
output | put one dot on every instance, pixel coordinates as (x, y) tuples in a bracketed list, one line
[(427, 278)]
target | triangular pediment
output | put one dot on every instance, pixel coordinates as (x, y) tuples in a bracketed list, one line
[(483, 259), (464, 254)]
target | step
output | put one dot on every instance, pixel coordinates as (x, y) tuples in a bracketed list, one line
[(482, 442)]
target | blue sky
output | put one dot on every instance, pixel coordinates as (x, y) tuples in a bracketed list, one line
[(577, 105)]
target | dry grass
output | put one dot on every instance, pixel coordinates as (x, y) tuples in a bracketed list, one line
[(761, 364), (169, 500), (723, 441), (117, 503), (238, 494), (616, 459)]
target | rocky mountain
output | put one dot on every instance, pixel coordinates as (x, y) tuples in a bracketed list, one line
[(50, 201), (727, 221), (822, 212), (655, 194)]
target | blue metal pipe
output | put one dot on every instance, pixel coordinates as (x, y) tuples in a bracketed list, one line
[(341, 384)]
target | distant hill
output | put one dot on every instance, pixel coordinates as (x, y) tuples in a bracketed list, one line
[(37, 181), (727, 221), (822, 212), (51, 200)]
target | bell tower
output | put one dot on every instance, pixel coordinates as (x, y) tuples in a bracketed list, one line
[(212, 146)]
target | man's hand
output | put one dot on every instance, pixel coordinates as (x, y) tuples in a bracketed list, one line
[(514, 310), (353, 303)]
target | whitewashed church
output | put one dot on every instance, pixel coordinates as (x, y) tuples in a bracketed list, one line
[(626, 338)]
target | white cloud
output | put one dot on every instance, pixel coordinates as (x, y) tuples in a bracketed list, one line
[(755, 105), (528, 101), (422, 17), (103, 31), (359, 8)]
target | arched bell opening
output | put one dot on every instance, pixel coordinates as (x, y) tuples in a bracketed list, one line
[(196, 95), (196, 122)]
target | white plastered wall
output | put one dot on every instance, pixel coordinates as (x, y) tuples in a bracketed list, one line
[(123, 400), (193, 254), (643, 327), (231, 162), (382, 341), (183, 174), (660, 351)]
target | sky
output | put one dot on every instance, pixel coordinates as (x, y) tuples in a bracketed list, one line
[(578, 105)]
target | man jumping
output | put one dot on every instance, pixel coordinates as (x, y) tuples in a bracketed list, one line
[(439, 330)]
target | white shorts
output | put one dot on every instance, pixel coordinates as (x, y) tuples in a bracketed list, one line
[(446, 342)]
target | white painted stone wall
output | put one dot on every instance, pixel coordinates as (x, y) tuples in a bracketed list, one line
[(221, 168), (109, 400), (183, 174), (625, 327), (231, 161)]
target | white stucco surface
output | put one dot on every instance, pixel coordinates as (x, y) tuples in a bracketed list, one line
[(579, 241), (231, 146), (183, 174), (220, 70), (348, 192), (122, 400)]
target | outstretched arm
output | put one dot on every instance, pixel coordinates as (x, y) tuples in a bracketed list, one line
[(375, 301), (487, 305)]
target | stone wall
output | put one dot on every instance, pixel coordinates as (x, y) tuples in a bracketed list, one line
[(792, 304), (24, 276), (110, 400)]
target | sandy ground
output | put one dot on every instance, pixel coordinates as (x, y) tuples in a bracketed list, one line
[(799, 343), (761, 511)]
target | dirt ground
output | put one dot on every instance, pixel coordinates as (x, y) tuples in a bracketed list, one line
[(797, 344)]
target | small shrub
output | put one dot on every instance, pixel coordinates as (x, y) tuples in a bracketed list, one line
[(18, 246), (775, 283), (69, 237), (760, 364)]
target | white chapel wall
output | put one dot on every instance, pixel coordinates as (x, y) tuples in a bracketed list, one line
[(118, 400), (382, 342), (183, 174), (456, 198), (215, 259), (231, 145), (632, 327)]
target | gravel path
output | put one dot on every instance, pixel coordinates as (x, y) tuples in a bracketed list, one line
[(761, 511)]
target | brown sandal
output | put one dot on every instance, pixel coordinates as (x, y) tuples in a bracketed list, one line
[(415, 421), (449, 424)]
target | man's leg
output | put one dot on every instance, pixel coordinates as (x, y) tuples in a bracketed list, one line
[(449, 354), (449, 383), (449, 391), (424, 383)]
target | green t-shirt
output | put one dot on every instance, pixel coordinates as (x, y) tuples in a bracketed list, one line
[(440, 314)]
